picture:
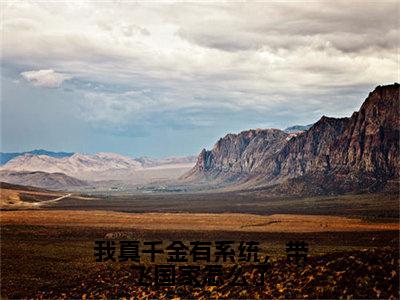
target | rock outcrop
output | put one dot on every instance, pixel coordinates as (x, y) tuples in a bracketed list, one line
[(236, 156), (336, 154)]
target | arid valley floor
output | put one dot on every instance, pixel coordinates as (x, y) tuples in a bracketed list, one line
[(47, 245)]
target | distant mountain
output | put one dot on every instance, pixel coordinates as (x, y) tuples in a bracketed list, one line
[(100, 166), (334, 155), (10, 186), (297, 128), (236, 156), (148, 162), (78, 165), (53, 181), (5, 157)]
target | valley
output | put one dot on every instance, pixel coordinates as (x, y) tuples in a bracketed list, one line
[(333, 184), (48, 251)]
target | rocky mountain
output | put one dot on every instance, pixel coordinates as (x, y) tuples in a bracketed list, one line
[(7, 156), (45, 180), (334, 155), (78, 165), (100, 166), (236, 156)]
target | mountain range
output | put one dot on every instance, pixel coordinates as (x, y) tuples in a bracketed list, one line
[(7, 156), (79, 170), (77, 165), (334, 155)]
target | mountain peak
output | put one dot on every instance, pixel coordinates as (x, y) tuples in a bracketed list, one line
[(339, 154)]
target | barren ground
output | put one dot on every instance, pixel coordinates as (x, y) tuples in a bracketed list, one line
[(48, 251), (196, 221)]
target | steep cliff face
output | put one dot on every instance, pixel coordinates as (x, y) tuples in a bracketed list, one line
[(366, 143), (340, 154), (236, 156), (307, 152), (371, 141)]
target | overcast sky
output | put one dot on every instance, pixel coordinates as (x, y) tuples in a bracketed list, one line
[(165, 78)]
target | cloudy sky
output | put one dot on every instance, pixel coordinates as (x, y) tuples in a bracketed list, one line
[(164, 78)]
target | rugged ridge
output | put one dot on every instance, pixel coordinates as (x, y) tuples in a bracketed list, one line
[(78, 165), (237, 155), (99, 166), (5, 157), (335, 154)]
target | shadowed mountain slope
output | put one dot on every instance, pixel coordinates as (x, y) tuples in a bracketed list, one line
[(335, 154)]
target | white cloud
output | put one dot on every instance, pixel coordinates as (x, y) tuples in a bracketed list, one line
[(114, 108), (45, 78), (260, 55)]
